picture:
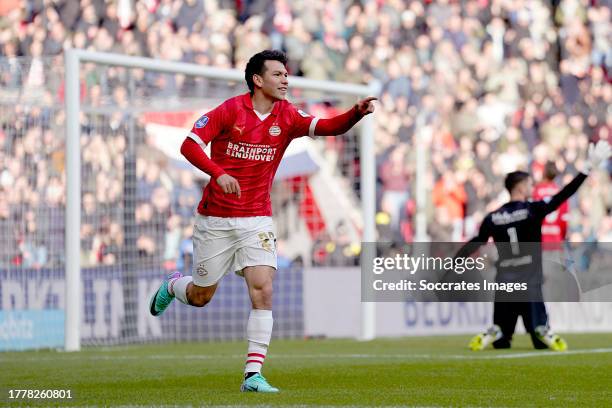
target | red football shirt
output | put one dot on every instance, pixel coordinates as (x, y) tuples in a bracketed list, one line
[(554, 226), (248, 149)]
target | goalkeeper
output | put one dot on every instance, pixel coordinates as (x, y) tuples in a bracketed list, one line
[(513, 224), (233, 230)]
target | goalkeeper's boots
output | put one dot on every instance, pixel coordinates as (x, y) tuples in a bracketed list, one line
[(482, 340), (162, 298), (257, 383), (552, 340)]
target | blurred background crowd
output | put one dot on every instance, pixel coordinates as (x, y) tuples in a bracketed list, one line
[(487, 86)]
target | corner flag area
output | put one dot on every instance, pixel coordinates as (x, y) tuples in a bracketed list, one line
[(416, 371)]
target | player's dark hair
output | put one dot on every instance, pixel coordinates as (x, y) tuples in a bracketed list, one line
[(514, 178), (256, 65), (550, 171)]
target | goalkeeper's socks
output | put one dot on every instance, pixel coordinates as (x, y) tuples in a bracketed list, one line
[(259, 332), (178, 288)]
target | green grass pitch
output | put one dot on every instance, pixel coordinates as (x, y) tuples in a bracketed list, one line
[(419, 371)]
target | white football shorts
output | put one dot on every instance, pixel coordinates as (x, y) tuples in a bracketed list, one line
[(221, 245)]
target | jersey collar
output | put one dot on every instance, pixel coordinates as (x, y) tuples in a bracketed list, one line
[(246, 100)]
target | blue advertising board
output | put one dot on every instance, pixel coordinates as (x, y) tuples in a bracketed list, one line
[(31, 329)]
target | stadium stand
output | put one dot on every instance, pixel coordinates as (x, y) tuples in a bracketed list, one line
[(504, 85)]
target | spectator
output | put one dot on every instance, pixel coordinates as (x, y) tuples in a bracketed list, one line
[(395, 176), (186, 196)]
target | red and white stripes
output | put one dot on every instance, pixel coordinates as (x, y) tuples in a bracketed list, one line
[(254, 362)]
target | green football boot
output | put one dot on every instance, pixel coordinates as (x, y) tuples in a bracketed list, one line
[(257, 383), (162, 298)]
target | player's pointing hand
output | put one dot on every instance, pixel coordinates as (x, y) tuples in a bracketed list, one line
[(228, 184), (365, 106)]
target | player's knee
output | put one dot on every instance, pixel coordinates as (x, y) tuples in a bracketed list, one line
[(200, 298), (261, 296), (263, 291), (267, 292), (199, 301)]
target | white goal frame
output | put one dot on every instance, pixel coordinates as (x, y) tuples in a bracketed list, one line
[(73, 60)]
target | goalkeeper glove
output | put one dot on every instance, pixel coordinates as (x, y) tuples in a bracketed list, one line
[(597, 155)]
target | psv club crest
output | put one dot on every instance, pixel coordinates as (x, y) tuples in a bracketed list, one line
[(201, 270), (274, 130)]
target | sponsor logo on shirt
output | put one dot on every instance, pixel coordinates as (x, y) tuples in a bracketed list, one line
[(503, 218), (200, 123), (238, 129), (303, 114), (274, 130), (249, 151)]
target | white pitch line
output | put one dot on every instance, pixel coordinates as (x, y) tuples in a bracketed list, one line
[(475, 356), (548, 353)]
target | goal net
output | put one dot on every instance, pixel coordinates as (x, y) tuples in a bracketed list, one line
[(131, 199)]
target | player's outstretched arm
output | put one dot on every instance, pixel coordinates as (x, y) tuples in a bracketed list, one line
[(597, 155), (473, 244), (340, 124)]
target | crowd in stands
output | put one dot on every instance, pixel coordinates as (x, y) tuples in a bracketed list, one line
[(486, 86)]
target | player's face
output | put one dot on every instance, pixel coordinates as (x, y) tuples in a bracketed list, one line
[(274, 82)]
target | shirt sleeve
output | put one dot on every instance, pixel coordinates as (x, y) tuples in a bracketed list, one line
[(543, 208), (303, 124), (210, 125), (483, 236), (338, 125), (196, 156)]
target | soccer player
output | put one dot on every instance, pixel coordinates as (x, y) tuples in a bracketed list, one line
[(557, 286), (554, 226), (233, 230), (515, 227)]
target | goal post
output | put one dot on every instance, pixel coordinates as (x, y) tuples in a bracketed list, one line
[(74, 60)]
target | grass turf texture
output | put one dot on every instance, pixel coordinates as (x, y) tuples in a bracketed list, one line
[(420, 371)]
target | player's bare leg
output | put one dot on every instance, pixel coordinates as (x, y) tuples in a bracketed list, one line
[(183, 288), (259, 327), (259, 282), (197, 296)]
